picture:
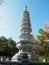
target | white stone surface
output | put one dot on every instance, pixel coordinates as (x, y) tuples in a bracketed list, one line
[(25, 45)]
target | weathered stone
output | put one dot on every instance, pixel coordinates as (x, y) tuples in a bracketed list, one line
[(25, 45)]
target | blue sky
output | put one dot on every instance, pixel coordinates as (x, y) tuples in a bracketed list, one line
[(11, 13)]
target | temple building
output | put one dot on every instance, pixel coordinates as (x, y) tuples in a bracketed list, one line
[(25, 45)]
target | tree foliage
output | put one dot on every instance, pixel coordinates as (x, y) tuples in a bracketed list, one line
[(41, 47), (42, 37), (7, 46), (46, 49)]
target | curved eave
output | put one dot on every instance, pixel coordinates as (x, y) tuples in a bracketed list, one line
[(23, 35), (26, 24), (26, 29)]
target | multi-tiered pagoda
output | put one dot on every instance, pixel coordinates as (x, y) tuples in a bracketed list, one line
[(25, 45)]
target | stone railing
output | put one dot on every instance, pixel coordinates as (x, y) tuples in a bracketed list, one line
[(23, 63)]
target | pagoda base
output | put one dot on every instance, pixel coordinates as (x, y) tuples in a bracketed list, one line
[(18, 57), (28, 50)]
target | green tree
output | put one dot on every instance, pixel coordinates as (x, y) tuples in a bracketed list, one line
[(3, 41), (46, 49), (7, 46), (37, 45), (38, 48), (11, 48), (42, 37), (11, 42)]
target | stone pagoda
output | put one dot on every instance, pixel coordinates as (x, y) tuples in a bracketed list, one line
[(25, 45)]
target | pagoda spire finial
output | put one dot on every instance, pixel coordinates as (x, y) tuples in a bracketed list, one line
[(25, 8)]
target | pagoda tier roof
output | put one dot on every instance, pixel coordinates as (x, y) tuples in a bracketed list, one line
[(25, 41)]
